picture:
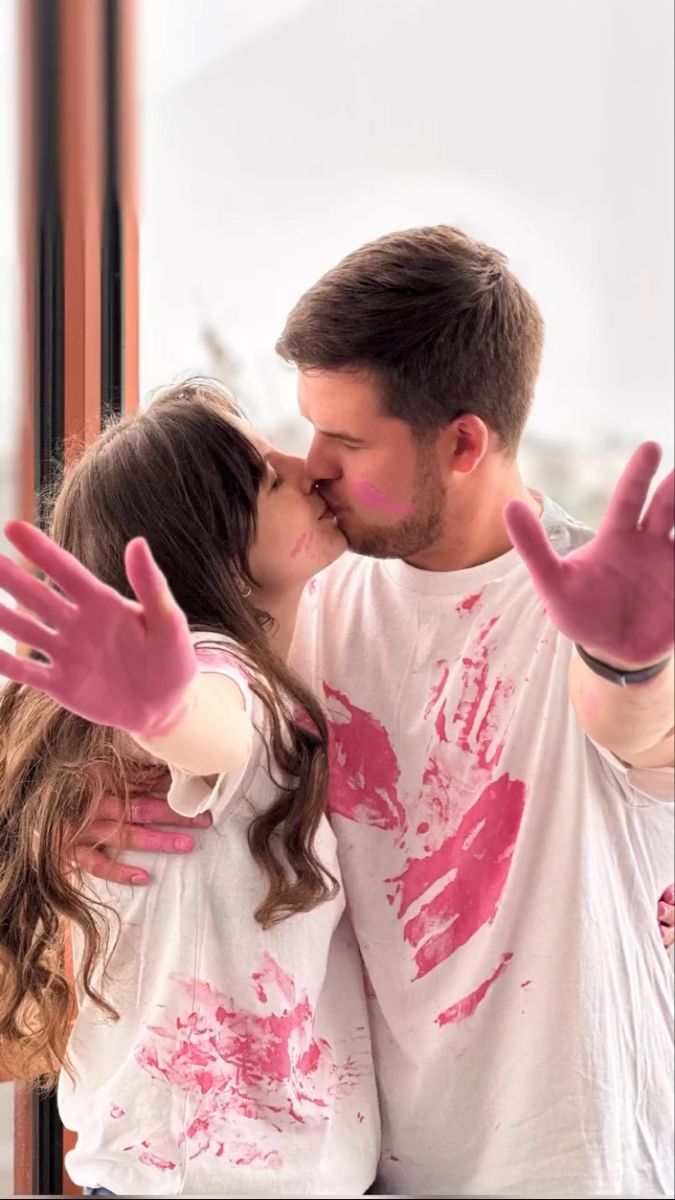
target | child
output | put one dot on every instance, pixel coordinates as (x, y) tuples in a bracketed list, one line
[(221, 1042)]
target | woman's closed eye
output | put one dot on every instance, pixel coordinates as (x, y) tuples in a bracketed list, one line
[(274, 480)]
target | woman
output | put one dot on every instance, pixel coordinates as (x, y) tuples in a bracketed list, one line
[(221, 1039)]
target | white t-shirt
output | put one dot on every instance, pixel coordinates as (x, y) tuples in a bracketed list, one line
[(502, 876), (241, 1062)]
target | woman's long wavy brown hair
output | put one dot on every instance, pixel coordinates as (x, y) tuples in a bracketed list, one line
[(182, 476)]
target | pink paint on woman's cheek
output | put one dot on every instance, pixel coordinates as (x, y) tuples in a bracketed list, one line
[(302, 543), (371, 497)]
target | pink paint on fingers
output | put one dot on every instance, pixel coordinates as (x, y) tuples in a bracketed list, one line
[(599, 594), (113, 661), (467, 1007), (371, 497)]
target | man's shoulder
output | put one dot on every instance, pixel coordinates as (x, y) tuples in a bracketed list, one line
[(565, 532)]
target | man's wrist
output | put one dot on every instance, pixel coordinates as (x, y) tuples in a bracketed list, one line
[(622, 673)]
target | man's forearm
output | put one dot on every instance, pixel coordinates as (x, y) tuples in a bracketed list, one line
[(635, 722)]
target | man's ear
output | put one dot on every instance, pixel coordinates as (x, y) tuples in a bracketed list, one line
[(463, 444)]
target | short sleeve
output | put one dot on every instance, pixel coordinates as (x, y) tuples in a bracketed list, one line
[(650, 783)]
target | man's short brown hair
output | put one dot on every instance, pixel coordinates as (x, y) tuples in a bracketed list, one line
[(439, 320)]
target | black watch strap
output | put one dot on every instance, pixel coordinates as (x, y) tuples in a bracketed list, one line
[(616, 675)]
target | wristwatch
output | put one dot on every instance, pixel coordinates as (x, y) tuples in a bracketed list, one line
[(619, 676)]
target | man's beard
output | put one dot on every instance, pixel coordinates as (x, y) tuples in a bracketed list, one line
[(415, 533)]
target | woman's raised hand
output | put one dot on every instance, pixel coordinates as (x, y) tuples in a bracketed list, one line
[(118, 662)]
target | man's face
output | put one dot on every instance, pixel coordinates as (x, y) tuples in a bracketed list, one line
[(385, 487)]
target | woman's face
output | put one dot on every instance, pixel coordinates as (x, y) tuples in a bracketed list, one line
[(296, 532)]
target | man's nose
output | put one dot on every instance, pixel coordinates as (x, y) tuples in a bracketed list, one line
[(320, 463)]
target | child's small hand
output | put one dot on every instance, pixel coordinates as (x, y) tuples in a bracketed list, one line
[(110, 660)]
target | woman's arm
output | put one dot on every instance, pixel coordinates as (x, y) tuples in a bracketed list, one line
[(213, 734)]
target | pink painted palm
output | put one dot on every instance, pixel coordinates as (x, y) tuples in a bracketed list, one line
[(114, 661), (615, 595)]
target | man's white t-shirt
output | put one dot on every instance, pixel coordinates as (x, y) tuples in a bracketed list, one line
[(241, 1062), (502, 876)]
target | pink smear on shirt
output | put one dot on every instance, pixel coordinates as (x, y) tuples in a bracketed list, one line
[(475, 737), (492, 722), (209, 656), (435, 797), (476, 860), (249, 1154), (239, 1063), (466, 1007), (371, 497), (364, 771), (468, 604), (271, 972), (116, 1112), (437, 688), (154, 1160)]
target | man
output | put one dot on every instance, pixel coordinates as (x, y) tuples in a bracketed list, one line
[(500, 797)]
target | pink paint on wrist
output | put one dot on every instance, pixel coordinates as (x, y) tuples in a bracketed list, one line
[(371, 497)]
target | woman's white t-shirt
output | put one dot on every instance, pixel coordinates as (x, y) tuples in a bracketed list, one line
[(241, 1060)]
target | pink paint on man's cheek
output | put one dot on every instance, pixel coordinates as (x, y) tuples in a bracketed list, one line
[(466, 1007), (371, 497)]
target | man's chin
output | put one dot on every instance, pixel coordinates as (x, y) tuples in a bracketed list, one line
[(372, 543)]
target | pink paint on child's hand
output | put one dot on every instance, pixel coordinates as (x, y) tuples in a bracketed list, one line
[(615, 595), (118, 662), (371, 497)]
